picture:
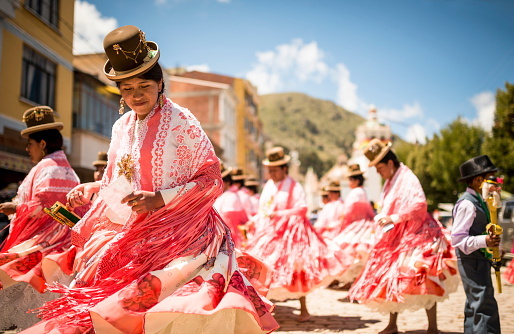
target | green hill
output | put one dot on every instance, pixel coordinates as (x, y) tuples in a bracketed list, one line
[(318, 129)]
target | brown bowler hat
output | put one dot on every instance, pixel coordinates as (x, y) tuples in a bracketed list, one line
[(354, 170), (251, 182), (376, 150), (129, 53), (102, 159), (333, 186), (224, 169), (39, 119), (276, 157), (237, 174)]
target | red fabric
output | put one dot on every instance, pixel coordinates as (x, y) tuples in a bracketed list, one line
[(47, 182), (288, 243), (116, 264), (413, 257)]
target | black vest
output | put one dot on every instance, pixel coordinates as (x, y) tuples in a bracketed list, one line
[(477, 228)]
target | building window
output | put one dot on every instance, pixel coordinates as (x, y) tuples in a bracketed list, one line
[(94, 111), (38, 78), (47, 10)]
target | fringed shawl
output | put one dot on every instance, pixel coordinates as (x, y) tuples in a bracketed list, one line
[(185, 226), (47, 182)]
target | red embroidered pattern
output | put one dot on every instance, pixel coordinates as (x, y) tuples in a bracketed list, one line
[(250, 268), (141, 297), (24, 264), (237, 282)]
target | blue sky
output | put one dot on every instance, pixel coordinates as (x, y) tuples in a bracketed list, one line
[(421, 63)]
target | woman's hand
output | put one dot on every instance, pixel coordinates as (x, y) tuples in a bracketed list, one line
[(386, 220), (8, 208), (144, 201), (82, 194)]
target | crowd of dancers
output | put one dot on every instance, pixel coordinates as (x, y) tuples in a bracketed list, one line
[(171, 240)]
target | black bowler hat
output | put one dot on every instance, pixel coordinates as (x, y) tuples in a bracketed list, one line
[(476, 166)]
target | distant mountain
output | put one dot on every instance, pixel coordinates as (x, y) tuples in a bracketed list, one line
[(318, 129)]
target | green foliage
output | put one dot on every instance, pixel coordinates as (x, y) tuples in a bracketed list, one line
[(436, 163), (319, 130), (500, 146)]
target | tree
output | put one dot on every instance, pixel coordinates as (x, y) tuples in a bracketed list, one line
[(436, 164), (500, 146)]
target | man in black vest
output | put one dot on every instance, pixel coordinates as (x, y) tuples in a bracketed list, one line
[(470, 217)]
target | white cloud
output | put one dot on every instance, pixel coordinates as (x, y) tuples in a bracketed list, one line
[(485, 105), (199, 68), (416, 133), (400, 115), (90, 28), (223, 1), (287, 64), (346, 89)]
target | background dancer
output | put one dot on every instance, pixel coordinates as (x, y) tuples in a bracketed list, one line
[(285, 239), (412, 266), (230, 208), (34, 235), (330, 217), (359, 231)]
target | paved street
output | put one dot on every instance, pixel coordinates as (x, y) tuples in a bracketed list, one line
[(330, 314)]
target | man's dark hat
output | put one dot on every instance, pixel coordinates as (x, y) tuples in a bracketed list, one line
[(476, 166)]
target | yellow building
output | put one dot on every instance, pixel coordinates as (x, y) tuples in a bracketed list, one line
[(36, 68)]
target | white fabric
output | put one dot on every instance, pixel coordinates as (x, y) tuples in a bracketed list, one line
[(330, 215), (229, 201), (464, 215), (272, 199)]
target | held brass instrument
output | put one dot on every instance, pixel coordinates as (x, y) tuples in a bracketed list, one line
[(60, 213), (494, 229)]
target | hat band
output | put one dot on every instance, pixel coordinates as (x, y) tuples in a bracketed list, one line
[(148, 57)]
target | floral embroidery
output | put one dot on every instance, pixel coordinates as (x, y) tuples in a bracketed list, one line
[(215, 288), (180, 139), (142, 297), (237, 283), (24, 264), (249, 267), (194, 132), (184, 152)]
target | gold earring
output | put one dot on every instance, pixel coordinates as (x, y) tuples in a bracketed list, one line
[(44, 153), (161, 100), (122, 106)]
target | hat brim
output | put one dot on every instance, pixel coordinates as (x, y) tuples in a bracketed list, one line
[(332, 189), (226, 172), (382, 154), (251, 183), (355, 174), (141, 69), (238, 177), (41, 127), (280, 162), (99, 163), (485, 171)]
